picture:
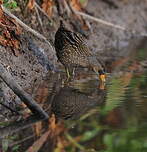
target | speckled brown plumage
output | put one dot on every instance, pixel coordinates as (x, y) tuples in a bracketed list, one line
[(72, 50)]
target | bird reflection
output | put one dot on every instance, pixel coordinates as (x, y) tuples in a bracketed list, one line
[(72, 102)]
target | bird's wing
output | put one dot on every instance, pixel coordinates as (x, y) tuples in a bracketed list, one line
[(79, 43)]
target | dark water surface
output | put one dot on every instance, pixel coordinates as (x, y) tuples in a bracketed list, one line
[(113, 119)]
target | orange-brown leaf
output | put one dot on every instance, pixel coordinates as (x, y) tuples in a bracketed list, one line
[(38, 128), (3, 41), (52, 122), (47, 6), (1, 2), (9, 31), (76, 4), (31, 4), (1, 12)]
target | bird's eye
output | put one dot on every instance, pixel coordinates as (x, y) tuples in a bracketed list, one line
[(101, 72)]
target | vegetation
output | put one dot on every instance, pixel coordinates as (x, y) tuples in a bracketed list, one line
[(11, 4)]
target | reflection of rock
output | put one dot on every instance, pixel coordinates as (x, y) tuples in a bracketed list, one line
[(71, 103)]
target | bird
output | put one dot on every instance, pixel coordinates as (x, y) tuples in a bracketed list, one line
[(71, 103), (73, 52)]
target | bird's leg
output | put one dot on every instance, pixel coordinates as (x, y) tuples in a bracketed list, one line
[(67, 72), (95, 70), (73, 72), (66, 81)]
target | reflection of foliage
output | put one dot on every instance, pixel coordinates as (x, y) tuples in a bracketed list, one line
[(139, 81), (142, 54), (126, 141), (16, 148), (115, 94), (6, 144), (86, 132)]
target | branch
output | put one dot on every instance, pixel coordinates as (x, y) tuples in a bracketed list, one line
[(100, 20), (104, 22), (108, 23), (26, 98)]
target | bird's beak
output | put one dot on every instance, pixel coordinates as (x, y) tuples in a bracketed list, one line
[(102, 77)]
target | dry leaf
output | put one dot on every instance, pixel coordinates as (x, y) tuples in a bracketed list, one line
[(9, 32), (55, 128), (1, 2), (76, 4), (1, 12), (31, 4), (52, 122), (38, 128), (47, 6)]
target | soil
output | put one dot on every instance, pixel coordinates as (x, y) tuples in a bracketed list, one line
[(28, 69)]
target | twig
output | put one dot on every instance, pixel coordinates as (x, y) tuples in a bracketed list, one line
[(67, 7), (26, 98), (93, 18), (39, 19), (27, 28), (12, 110), (100, 20), (41, 10), (18, 125), (21, 141)]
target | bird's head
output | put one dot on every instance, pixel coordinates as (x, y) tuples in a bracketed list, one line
[(100, 70)]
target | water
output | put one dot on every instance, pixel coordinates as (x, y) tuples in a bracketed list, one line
[(89, 118)]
